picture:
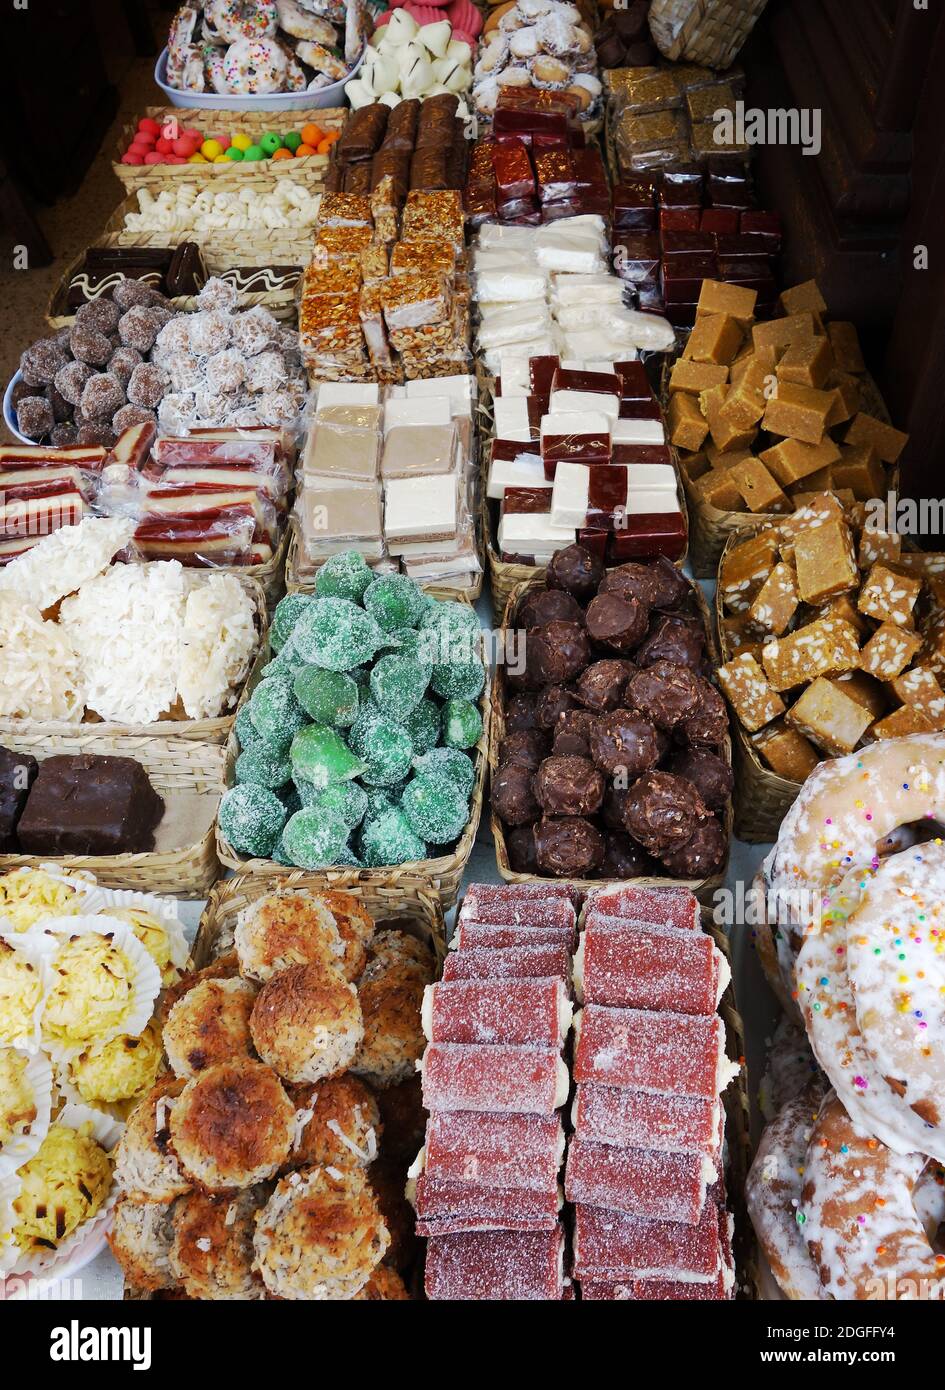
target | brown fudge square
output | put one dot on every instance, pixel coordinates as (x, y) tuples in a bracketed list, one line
[(717, 297), (759, 490), (888, 596), (827, 644), (693, 465), (864, 689), (804, 297), (715, 338), (749, 693), (787, 752), (726, 434), (781, 333), (745, 403), (807, 364), (798, 412), (831, 720), (878, 545), (688, 426), (846, 397), (696, 376), (887, 442), (717, 489), (843, 606), (889, 651), (825, 561), (776, 601), (861, 471), (790, 460), (905, 720), (738, 636), (745, 567)]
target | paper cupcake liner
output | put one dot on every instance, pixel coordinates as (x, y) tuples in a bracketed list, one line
[(86, 889), (88, 1238), (165, 909), (38, 950), (21, 1148), (147, 978), (10, 1186)]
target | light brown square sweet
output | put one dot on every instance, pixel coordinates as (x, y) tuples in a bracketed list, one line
[(888, 596), (827, 644), (758, 489), (727, 435), (887, 442), (831, 719), (807, 364), (717, 489), (846, 397), (905, 720), (745, 567), (780, 333), (714, 338), (787, 752), (889, 651), (791, 461), (776, 601), (860, 470), (825, 562), (864, 689), (693, 465), (878, 545), (749, 693), (798, 412), (694, 377), (745, 403), (688, 426), (738, 636), (823, 506), (717, 297), (843, 606), (803, 298)]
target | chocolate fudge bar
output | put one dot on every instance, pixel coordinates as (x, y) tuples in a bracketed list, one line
[(17, 775), (84, 804)]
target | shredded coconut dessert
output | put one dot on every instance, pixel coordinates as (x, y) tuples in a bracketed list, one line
[(61, 563), (39, 669)]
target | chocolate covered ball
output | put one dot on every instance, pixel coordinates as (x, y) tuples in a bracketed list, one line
[(552, 703), (662, 812), (528, 747), (659, 584), (575, 570), (665, 692), (711, 777), (520, 846), (673, 639), (624, 744), (572, 736), (624, 858), (521, 712), (543, 606), (568, 786), (568, 847), (555, 653), (703, 854), (102, 314), (616, 620), (513, 799), (707, 726), (600, 688)]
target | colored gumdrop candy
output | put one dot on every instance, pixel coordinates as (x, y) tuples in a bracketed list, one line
[(251, 819), (423, 726), (285, 615), (337, 635), (321, 757), (397, 685), (387, 839), (461, 723), (329, 697), (394, 601), (263, 765), (314, 840), (274, 709), (387, 751)]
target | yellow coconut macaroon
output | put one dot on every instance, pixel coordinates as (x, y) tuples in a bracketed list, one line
[(64, 1184), (123, 1069), (154, 937), (28, 895), (21, 989), (92, 991), (18, 1108)]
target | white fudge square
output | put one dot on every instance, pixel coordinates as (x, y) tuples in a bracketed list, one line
[(573, 402), (511, 418), (460, 389), (348, 393), (514, 374), (574, 422), (423, 508), (526, 470), (525, 533), (424, 410), (639, 432)]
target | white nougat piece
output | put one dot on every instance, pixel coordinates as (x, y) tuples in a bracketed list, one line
[(422, 410), (587, 289), (574, 423), (639, 432), (509, 285), (652, 489), (460, 389), (420, 509), (511, 418), (347, 393), (501, 325), (528, 533), (573, 402), (526, 470), (514, 374)]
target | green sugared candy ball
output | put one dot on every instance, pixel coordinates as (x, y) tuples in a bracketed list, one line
[(451, 763), (330, 697), (280, 855), (275, 711), (397, 685), (322, 758), (436, 811), (394, 601), (387, 749), (287, 613), (337, 635), (314, 840), (290, 798), (264, 766), (449, 616), (460, 680), (345, 801), (346, 575), (348, 859), (246, 730), (461, 723), (388, 839), (379, 799), (423, 726), (251, 820)]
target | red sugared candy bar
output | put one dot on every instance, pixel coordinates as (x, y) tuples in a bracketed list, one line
[(517, 1080), (513, 1151), (509, 963), (641, 1120), (642, 1182), (447, 1208), (610, 1245), (667, 907), (522, 1013), (481, 936), (641, 967), (671, 1054), (506, 1266), (522, 910), (656, 1291)]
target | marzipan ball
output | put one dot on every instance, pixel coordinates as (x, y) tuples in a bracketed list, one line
[(556, 653), (575, 570), (600, 688), (568, 847), (662, 812), (665, 692), (513, 799), (617, 621), (624, 744), (569, 787), (520, 846), (543, 606), (711, 777)]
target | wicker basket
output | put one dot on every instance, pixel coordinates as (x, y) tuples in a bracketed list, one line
[(702, 888), (258, 174), (198, 730), (709, 32), (254, 246), (174, 765), (442, 874), (297, 584)]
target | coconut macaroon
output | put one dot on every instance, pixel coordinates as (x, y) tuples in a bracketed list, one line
[(226, 967), (306, 1024), (122, 1069), (393, 948), (338, 1124), (393, 1032), (321, 1235), (210, 1024), (141, 1236), (21, 991), (232, 1126), (384, 1286), (65, 1183), (294, 927), (146, 1168), (212, 1252)]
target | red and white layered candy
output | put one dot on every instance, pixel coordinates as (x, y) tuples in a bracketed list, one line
[(514, 1012), (611, 1245), (647, 1183), (667, 1053), (525, 910), (447, 1208), (635, 966), (668, 907), (509, 963), (522, 1152), (498, 1080), (479, 935), (642, 1120)]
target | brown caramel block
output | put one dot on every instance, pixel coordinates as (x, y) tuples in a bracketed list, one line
[(878, 545), (787, 752), (845, 342), (776, 601), (696, 376), (864, 689), (779, 334), (828, 644), (715, 338), (693, 465), (888, 596), (846, 398), (843, 495), (803, 298), (716, 297), (719, 458), (843, 607), (905, 720), (688, 426), (749, 694), (798, 412), (790, 460), (861, 472), (716, 489), (745, 403), (726, 435), (744, 569), (821, 481), (758, 489), (889, 651), (761, 365), (738, 637), (831, 720), (887, 442), (807, 364), (825, 562), (920, 689)]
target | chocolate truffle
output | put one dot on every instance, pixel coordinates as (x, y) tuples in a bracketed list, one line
[(86, 804), (659, 584), (711, 777), (552, 703), (700, 856), (665, 692), (572, 737), (575, 570), (708, 724), (17, 775), (528, 747), (568, 786), (568, 847), (625, 744), (543, 606), (673, 639), (556, 653), (521, 714), (600, 688), (624, 858), (662, 812), (616, 620), (512, 797), (520, 846)]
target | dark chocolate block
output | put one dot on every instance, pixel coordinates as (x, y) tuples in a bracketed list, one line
[(85, 804), (17, 775)]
